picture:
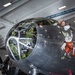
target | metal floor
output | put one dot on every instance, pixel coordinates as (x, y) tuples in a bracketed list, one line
[(3, 52)]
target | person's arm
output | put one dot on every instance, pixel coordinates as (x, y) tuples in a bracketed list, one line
[(72, 30)]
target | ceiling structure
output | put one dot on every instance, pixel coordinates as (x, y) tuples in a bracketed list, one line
[(14, 5), (2, 2), (30, 5), (22, 9)]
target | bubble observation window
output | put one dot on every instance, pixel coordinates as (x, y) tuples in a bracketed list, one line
[(21, 40)]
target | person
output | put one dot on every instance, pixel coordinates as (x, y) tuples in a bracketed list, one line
[(1, 60), (68, 42), (69, 72)]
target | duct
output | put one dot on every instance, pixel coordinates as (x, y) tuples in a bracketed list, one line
[(12, 7), (1, 42)]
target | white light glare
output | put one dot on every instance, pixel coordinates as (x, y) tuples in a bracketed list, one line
[(74, 21), (62, 7), (7, 4)]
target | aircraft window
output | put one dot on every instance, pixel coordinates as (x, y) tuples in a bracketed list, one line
[(22, 40), (10, 54), (27, 42), (24, 51), (53, 22), (14, 33), (43, 22), (14, 48)]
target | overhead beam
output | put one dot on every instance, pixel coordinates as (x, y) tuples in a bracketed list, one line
[(7, 20), (66, 17), (8, 26), (12, 7)]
